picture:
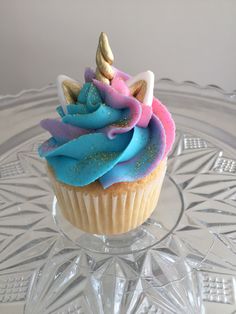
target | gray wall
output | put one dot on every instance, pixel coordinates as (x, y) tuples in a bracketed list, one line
[(180, 39)]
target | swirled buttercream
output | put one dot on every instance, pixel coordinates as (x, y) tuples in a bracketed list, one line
[(107, 135)]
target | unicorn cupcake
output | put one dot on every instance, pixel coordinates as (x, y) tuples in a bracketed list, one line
[(107, 155)]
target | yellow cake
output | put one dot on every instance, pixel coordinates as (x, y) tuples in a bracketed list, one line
[(117, 209)]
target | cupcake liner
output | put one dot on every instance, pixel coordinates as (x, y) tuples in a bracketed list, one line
[(108, 212)]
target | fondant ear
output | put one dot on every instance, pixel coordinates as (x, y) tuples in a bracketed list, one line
[(141, 87), (67, 89)]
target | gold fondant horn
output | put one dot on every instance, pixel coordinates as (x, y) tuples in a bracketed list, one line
[(104, 60)]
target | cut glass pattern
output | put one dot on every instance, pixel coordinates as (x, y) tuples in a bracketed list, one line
[(217, 288), (11, 169), (14, 287), (194, 143), (225, 165), (181, 260)]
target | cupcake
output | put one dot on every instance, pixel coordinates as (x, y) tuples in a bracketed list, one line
[(107, 155)]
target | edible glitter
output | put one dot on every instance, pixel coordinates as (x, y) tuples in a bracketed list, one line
[(148, 157), (100, 157), (122, 123)]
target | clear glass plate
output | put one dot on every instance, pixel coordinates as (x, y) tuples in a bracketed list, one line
[(182, 260)]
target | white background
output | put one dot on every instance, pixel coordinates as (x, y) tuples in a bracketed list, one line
[(179, 39)]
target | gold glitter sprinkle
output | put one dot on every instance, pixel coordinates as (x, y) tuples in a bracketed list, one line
[(151, 151), (100, 157), (122, 123)]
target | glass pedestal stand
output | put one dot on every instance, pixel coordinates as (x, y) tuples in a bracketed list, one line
[(181, 260), (152, 269)]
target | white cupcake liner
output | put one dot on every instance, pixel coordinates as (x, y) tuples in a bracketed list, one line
[(108, 212)]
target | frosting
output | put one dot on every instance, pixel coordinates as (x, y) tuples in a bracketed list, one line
[(110, 129), (107, 134)]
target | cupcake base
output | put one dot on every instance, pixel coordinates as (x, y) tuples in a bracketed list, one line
[(115, 210)]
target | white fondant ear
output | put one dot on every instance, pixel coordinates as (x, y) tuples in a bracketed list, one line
[(67, 90), (144, 78)]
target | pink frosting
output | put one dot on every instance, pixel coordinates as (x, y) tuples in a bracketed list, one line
[(118, 83), (168, 123), (145, 116)]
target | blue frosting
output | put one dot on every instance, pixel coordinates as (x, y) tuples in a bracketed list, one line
[(92, 155), (79, 167), (102, 116)]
